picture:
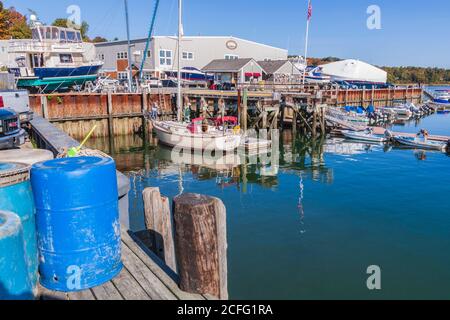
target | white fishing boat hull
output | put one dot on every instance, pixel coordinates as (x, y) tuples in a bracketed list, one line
[(176, 135), (420, 143), (362, 136)]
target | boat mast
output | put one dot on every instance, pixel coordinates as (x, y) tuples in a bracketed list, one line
[(180, 31), (306, 39), (130, 68)]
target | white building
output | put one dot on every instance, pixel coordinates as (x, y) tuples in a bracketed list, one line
[(197, 52)]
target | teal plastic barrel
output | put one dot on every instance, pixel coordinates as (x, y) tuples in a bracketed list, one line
[(15, 283), (16, 196), (77, 220)]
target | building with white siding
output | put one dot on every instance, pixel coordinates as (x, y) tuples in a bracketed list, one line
[(197, 52)]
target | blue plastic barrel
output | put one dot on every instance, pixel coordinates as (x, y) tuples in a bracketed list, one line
[(15, 283), (16, 196), (77, 220)]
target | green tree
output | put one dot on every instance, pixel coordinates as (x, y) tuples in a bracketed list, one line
[(63, 22), (99, 39)]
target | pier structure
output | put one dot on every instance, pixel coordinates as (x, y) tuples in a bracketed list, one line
[(257, 106)]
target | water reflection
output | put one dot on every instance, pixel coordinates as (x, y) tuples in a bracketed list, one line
[(304, 158)]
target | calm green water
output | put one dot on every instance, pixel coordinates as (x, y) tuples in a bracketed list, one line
[(310, 229)]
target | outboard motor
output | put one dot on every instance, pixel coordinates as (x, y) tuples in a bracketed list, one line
[(388, 134)]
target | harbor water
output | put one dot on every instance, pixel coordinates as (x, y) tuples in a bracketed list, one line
[(310, 228)]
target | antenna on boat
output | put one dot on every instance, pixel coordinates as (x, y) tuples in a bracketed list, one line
[(130, 67), (180, 34), (306, 39)]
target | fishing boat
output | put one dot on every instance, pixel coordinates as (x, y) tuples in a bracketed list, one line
[(55, 59), (197, 136), (220, 134), (367, 135), (420, 143)]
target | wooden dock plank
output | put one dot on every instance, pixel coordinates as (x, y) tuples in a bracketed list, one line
[(147, 280), (142, 278), (84, 295), (107, 291), (149, 259), (45, 294), (129, 288)]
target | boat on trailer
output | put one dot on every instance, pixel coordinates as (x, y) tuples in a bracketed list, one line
[(366, 135), (55, 59), (420, 143)]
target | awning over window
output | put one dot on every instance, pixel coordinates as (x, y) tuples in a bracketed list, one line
[(253, 74)]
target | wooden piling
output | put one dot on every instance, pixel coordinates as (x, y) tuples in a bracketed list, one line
[(158, 221), (44, 106), (110, 115), (201, 244), (244, 121)]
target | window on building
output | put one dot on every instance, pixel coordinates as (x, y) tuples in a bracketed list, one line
[(231, 57), (188, 55), (149, 54), (165, 57), (65, 58), (122, 55), (101, 56), (122, 75)]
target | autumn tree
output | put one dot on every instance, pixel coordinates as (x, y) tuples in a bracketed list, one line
[(13, 24)]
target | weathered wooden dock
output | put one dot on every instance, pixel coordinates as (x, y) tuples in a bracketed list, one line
[(144, 277), (124, 113)]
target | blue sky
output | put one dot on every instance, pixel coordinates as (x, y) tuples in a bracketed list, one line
[(414, 32)]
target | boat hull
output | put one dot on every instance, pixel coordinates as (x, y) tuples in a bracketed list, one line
[(43, 73), (364, 136), (420, 143), (182, 140)]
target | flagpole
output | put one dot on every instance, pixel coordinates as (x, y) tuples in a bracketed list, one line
[(306, 41)]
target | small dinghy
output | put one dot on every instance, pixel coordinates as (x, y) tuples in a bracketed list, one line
[(421, 143), (366, 135)]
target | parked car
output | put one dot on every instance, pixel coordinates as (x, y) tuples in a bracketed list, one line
[(19, 101), (11, 133)]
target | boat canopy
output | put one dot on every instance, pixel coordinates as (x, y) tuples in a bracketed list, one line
[(59, 34), (354, 70)]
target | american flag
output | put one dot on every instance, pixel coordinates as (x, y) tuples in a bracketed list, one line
[(309, 10)]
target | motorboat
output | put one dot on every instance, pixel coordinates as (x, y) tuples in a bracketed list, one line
[(420, 143), (366, 135)]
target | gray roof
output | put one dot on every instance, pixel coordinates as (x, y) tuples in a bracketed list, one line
[(228, 65), (272, 66)]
